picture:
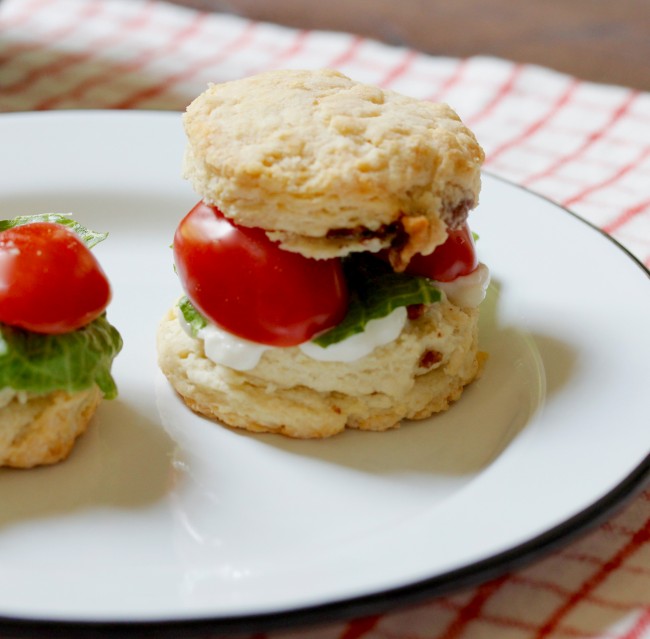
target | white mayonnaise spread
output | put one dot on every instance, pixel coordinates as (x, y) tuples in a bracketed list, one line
[(376, 333), (241, 354), (469, 290), (7, 395), (225, 348)]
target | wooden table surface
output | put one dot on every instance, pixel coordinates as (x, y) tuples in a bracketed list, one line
[(600, 40)]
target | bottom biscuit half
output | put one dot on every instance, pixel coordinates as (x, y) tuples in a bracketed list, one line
[(337, 396), (42, 429)]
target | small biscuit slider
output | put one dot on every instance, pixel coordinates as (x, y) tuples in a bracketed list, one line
[(331, 279), (56, 346)]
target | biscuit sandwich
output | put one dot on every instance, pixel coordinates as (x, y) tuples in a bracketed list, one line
[(56, 345), (331, 280)]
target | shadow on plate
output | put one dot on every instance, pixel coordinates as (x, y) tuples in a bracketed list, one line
[(522, 373), (122, 461)]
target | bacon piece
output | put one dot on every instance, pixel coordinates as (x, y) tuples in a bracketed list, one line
[(361, 233), (415, 311), (455, 216), (429, 358)]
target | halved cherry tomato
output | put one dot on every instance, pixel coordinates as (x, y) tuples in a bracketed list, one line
[(247, 285), (49, 281), (455, 257)]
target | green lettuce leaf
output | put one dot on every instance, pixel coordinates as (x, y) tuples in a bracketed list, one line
[(73, 361), (90, 238), (194, 319), (375, 292)]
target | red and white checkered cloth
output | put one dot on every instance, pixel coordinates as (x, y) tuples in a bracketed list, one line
[(583, 145)]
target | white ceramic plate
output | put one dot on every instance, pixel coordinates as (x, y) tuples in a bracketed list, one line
[(161, 517)]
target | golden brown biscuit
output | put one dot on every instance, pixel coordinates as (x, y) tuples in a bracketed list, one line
[(419, 374), (327, 165), (42, 429)]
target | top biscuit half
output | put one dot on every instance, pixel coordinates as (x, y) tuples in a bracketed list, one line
[(327, 166)]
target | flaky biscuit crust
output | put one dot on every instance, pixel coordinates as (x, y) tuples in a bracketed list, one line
[(420, 373), (43, 428), (328, 165)]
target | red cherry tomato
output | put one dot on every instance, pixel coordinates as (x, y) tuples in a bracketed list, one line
[(455, 257), (49, 281), (247, 285)]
